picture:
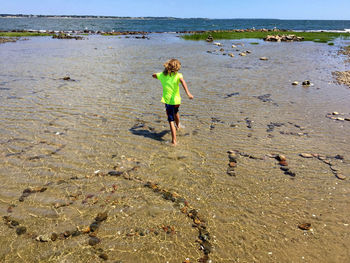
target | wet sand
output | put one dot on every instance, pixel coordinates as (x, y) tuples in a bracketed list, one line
[(89, 159)]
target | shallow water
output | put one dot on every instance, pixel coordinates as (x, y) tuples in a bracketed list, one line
[(66, 135)]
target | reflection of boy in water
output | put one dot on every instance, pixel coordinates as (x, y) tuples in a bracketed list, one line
[(170, 79)]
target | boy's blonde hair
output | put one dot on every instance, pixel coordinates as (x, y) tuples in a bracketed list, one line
[(171, 66)]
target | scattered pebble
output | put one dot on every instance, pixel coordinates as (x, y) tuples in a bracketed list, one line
[(305, 226), (242, 54), (295, 83), (306, 83), (306, 155), (263, 58)]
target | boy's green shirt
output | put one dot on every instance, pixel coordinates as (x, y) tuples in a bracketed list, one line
[(170, 83)]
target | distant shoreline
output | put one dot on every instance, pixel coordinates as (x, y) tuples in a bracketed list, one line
[(86, 17)]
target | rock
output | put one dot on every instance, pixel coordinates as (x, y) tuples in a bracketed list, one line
[(281, 157), (295, 83), (347, 119), (263, 58), (290, 173), (54, 236), (231, 172), (115, 173), (306, 226), (306, 155), (104, 256), (21, 230), (94, 241), (340, 119), (101, 217), (306, 83), (43, 238), (94, 226), (283, 163), (210, 38), (286, 38), (233, 46), (242, 54), (232, 164), (339, 157), (222, 50), (217, 44), (231, 55), (340, 176), (248, 52), (66, 78), (335, 113)]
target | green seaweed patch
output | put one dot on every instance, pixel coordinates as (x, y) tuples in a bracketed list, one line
[(23, 34), (254, 43), (320, 37), (331, 44)]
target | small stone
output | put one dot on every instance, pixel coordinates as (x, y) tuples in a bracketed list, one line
[(231, 172), (242, 54), (281, 157), (114, 173), (66, 78), (104, 256), (340, 176), (306, 155), (94, 241), (21, 230), (283, 163), (306, 83), (306, 226), (101, 217), (231, 55), (335, 113), (67, 233), (233, 46), (340, 119), (248, 52), (217, 44), (54, 236), (347, 119), (222, 50), (232, 164), (295, 83), (339, 157), (94, 226), (263, 58), (43, 238)]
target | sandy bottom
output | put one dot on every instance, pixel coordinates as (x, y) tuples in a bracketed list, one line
[(88, 173)]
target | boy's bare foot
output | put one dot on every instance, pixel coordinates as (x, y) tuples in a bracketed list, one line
[(174, 143)]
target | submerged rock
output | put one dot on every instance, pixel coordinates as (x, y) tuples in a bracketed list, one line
[(305, 226), (295, 83), (306, 83), (263, 58), (21, 230)]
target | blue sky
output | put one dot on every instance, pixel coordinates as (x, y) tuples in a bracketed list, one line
[(296, 9)]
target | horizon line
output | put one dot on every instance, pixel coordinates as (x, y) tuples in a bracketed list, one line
[(113, 16)]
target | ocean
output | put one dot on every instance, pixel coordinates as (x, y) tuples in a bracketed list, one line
[(166, 24)]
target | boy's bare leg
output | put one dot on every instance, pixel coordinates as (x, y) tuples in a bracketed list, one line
[(173, 132), (177, 120)]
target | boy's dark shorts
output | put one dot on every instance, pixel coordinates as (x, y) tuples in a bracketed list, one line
[(171, 111)]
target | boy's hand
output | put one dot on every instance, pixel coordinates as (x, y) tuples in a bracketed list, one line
[(190, 96)]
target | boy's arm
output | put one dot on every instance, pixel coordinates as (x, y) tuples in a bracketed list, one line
[(184, 85), (154, 75)]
